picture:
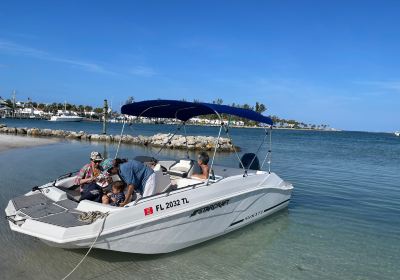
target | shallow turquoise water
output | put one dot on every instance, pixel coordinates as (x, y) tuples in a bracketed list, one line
[(342, 222)]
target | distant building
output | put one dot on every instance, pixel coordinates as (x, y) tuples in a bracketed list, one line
[(4, 109), (3, 102)]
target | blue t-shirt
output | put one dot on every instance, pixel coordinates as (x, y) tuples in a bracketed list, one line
[(135, 173), (119, 197)]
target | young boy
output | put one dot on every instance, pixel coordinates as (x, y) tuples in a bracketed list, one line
[(116, 196)]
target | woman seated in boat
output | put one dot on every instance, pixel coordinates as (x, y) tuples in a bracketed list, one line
[(139, 177), (87, 177), (202, 160)]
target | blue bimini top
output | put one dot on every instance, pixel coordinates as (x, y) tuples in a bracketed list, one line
[(184, 110)]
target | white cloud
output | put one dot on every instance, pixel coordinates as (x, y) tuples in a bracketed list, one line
[(386, 85), (143, 71), (17, 49)]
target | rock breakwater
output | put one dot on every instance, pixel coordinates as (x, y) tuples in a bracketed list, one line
[(158, 140)]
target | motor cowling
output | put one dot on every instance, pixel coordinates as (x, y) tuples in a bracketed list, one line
[(250, 161)]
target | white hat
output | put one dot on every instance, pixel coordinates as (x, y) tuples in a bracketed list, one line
[(96, 156)]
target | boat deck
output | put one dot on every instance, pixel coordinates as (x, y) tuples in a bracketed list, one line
[(40, 208)]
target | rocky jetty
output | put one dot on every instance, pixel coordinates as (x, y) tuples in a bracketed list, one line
[(158, 140)]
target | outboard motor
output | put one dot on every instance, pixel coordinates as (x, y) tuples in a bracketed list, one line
[(247, 159)]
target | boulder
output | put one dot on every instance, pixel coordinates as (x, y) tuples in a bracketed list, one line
[(21, 130), (74, 135), (86, 136), (46, 132), (58, 133), (12, 130), (95, 137), (33, 132)]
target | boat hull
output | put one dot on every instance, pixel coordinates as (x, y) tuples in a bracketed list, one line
[(182, 232), (66, 119), (175, 221)]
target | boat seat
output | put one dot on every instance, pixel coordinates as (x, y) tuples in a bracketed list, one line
[(162, 181), (73, 192), (182, 169), (67, 183)]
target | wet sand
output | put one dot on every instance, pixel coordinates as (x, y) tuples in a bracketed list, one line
[(8, 142)]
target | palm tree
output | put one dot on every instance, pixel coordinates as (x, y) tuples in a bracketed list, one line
[(81, 108), (260, 108), (219, 101), (130, 100)]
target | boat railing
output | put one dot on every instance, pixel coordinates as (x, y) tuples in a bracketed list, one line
[(66, 175), (168, 193)]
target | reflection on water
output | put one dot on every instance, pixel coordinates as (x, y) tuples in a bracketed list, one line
[(342, 222)]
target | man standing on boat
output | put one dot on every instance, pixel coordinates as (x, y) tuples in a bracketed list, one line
[(138, 176)]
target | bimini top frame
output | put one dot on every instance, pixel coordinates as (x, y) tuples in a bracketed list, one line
[(183, 110)]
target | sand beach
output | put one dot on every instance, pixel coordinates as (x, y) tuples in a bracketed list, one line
[(8, 142)]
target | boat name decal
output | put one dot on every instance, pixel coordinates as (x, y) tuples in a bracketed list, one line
[(171, 204), (211, 207), (254, 215)]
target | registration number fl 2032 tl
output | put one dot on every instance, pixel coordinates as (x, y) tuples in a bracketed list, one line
[(171, 204)]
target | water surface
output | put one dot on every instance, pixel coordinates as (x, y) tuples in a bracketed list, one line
[(342, 222)]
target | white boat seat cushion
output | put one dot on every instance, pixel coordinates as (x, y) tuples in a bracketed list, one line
[(181, 168), (162, 181)]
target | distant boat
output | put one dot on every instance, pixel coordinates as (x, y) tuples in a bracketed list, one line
[(66, 117), (397, 133)]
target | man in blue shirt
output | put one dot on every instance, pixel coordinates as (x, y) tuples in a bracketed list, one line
[(138, 177)]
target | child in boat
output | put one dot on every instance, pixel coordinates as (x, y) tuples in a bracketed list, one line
[(116, 196)]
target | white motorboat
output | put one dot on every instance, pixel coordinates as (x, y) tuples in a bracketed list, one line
[(397, 133), (66, 118), (181, 214)]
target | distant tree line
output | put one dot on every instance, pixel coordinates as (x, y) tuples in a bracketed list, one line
[(261, 108), (54, 107), (258, 107)]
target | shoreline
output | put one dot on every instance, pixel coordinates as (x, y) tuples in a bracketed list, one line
[(205, 125), (9, 142), (170, 141)]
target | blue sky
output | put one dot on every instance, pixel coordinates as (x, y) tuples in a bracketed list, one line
[(321, 62)]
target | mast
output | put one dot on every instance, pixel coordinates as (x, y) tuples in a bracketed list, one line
[(13, 101), (105, 114)]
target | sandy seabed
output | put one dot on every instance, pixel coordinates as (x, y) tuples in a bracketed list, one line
[(14, 141)]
